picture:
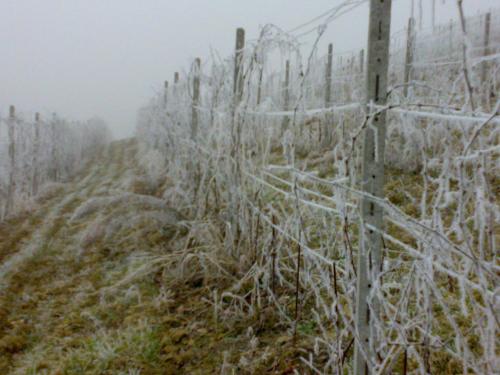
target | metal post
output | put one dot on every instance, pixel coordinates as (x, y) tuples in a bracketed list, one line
[(286, 97), (36, 150), (369, 255), (410, 52), (196, 98)]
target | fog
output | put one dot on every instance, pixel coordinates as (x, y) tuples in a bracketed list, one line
[(84, 58)]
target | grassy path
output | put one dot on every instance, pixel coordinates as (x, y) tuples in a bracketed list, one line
[(84, 288)]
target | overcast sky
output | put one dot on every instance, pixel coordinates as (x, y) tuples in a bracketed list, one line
[(82, 58)]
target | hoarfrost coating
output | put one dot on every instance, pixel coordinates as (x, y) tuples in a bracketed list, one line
[(288, 198)]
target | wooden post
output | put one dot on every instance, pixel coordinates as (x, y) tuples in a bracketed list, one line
[(484, 67), (286, 97), (328, 77), (238, 65), (361, 61), (433, 16), (450, 41), (12, 159), (174, 89), (410, 52), (53, 141), (237, 86), (420, 14), (165, 94), (236, 137), (259, 84), (36, 150), (196, 98), (369, 254), (328, 95)]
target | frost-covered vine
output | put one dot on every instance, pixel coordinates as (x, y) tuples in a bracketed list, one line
[(280, 208)]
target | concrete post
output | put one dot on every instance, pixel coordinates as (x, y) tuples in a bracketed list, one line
[(369, 254)]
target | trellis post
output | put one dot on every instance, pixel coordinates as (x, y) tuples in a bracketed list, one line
[(236, 135), (486, 51), (328, 77), (237, 84), (196, 98), (53, 145), (328, 94), (433, 16), (238, 65), (420, 14), (174, 89), (450, 40), (369, 254), (361, 61), (165, 94), (410, 52), (12, 160), (286, 97), (36, 149), (261, 73)]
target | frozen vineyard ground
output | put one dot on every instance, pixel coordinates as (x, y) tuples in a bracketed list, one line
[(267, 199)]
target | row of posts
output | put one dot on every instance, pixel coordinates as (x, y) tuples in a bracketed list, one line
[(35, 180), (370, 251), (410, 56), (238, 83), (362, 325), (238, 76)]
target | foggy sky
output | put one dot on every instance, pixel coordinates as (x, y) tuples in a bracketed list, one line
[(82, 58)]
